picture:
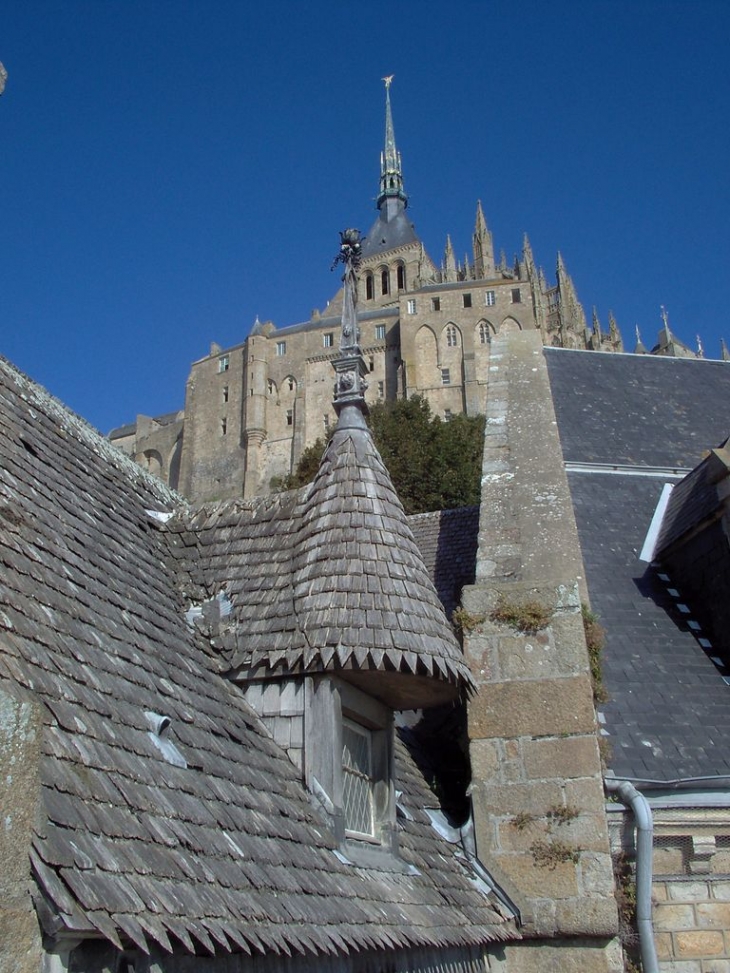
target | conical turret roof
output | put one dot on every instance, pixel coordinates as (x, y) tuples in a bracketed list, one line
[(362, 595)]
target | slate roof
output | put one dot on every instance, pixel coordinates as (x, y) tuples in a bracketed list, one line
[(340, 581), (638, 410), (448, 541), (385, 235), (668, 716), (693, 499), (225, 853)]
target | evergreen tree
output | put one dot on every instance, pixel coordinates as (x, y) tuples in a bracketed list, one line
[(434, 465)]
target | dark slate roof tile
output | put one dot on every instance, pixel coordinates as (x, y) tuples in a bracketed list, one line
[(640, 410), (652, 665)]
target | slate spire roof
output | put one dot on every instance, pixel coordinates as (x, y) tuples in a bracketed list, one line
[(392, 228)]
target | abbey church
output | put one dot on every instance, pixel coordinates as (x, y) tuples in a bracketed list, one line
[(426, 328)]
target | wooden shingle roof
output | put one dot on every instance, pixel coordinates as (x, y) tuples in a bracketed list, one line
[(198, 837), (340, 583)]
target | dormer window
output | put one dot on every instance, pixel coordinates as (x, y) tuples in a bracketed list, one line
[(357, 779)]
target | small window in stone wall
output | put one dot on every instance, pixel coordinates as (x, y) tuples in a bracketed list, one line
[(401, 274), (435, 303), (516, 296), (466, 298), (445, 376), (452, 338), (380, 332), (483, 333), (225, 393), (328, 339), (411, 306), (224, 363), (369, 288), (224, 427), (280, 348), (489, 298), (290, 417), (385, 282), (381, 390)]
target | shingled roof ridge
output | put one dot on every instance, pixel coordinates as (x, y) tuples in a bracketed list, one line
[(39, 397)]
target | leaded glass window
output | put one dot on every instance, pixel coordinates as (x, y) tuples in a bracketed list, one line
[(357, 781)]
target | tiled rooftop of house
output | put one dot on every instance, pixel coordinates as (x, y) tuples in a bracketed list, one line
[(169, 814)]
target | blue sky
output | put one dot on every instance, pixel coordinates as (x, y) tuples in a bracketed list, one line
[(170, 169)]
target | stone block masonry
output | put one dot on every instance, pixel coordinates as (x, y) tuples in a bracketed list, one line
[(537, 785), (692, 925)]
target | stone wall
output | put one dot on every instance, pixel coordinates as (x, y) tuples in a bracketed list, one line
[(537, 782), (692, 924)]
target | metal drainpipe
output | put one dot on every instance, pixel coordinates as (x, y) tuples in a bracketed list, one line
[(639, 805)]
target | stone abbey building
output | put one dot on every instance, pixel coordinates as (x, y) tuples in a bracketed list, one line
[(426, 328)]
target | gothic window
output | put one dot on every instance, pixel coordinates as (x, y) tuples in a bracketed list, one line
[(445, 376), (280, 349), (328, 339), (452, 338), (483, 333), (411, 306), (380, 332), (224, 363), (385, 282), (401, 276), (369, 287), (516, 296), (489, 298), (435, 303), (466, 298)]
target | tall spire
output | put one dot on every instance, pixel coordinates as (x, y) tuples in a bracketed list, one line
[(483, 247), (392, 195)]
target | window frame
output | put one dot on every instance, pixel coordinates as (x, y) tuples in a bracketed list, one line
[(280, 349)]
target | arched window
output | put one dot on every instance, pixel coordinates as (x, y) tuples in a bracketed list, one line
[(452, 338), (369, 287), (385, 282), (401, 277)]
